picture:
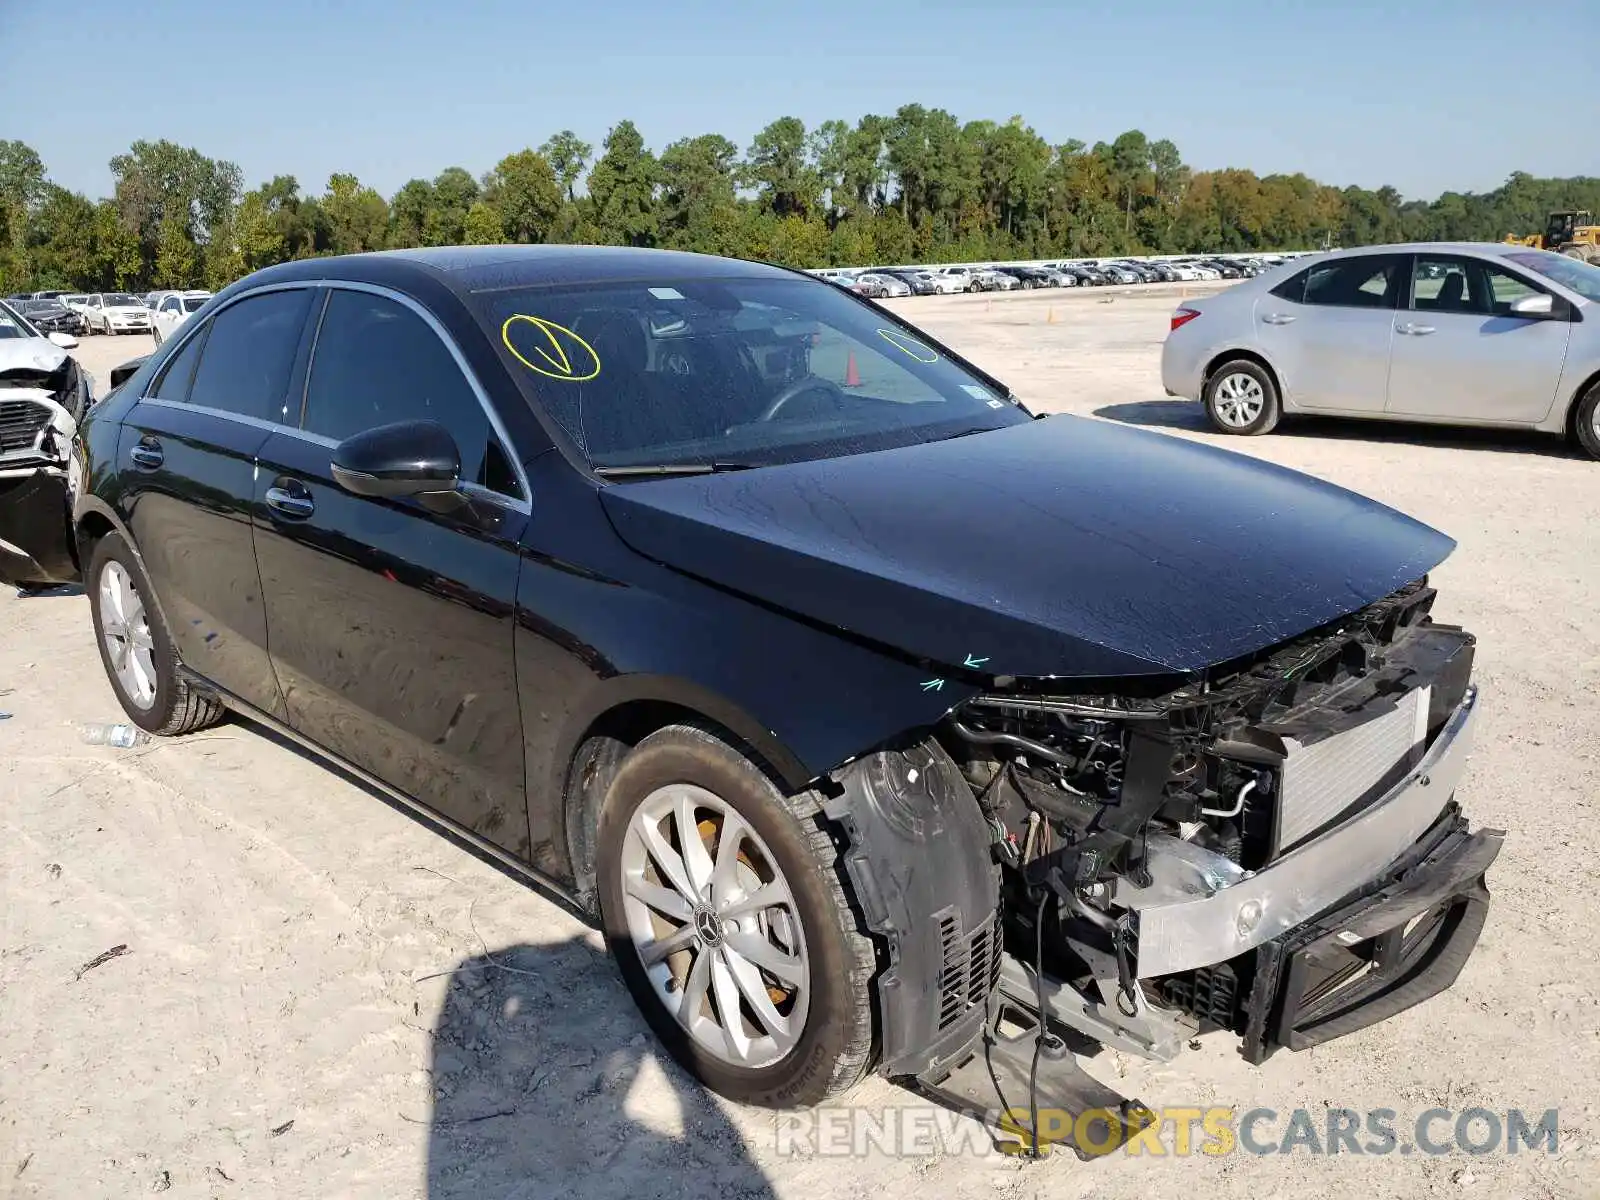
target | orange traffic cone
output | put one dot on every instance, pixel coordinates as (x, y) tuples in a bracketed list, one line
[(852, 377)]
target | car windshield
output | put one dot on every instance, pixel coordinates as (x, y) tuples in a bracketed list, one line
[(736, 372), (14, 325), (193, 303), (115, 298), (1573, 273)]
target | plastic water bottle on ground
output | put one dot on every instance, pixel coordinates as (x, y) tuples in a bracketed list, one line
[(124, 737)]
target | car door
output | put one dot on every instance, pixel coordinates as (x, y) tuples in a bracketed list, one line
[(162, 318), (186, 461), (94, 312), (1460, 352), (392, 625), (1328, 331)]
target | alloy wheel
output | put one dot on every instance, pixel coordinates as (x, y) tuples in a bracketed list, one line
[(125, 627), (715, 925), (1239, 400)]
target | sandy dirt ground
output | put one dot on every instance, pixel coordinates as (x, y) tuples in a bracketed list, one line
[(321, 997)]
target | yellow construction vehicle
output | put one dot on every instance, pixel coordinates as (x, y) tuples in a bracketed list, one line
[(1572, 233)]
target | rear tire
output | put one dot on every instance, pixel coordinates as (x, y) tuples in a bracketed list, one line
[(1241, 398), (1586, 422), (684, 777), (171, 706)]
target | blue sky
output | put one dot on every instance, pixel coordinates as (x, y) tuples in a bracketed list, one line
[(1426, 95)]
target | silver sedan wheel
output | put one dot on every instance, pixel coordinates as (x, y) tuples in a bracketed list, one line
[(1238, 400), (715, 925), (1594, 423), (125, 626)]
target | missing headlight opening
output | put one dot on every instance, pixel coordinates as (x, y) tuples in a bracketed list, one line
[(1187, 832)]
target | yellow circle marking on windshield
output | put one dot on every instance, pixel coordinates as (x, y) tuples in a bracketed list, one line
[(906, 344), (566, 355)]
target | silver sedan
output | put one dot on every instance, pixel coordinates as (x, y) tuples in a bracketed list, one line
[(1458, 334)]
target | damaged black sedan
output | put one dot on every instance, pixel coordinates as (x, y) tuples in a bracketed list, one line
[(787, 644)]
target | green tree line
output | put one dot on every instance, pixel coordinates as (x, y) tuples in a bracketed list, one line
[(914, 186)]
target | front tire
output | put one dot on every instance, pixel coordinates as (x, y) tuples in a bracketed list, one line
[(723, 903), (136, 646), (1242, 399)]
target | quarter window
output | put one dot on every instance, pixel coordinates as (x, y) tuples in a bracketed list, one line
[(377, 362), (1366, 281), (179, 371), (1293, 288), (249, 355)]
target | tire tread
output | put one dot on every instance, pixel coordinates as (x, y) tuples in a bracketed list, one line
[(851, 1055), (189, 710)]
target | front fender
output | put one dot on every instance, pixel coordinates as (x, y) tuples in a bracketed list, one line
[(805, 699)]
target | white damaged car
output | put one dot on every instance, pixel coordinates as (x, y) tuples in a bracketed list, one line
[(43, 395)]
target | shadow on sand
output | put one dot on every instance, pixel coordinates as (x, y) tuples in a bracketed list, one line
[(548, 1083)]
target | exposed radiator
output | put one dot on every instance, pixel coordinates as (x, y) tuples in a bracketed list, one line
[(1324, 778)]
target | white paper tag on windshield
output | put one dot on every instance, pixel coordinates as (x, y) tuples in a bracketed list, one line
[(665, 293), (976, 392), (997, 404)]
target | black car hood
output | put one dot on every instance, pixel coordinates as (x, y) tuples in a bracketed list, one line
[(1067, 547)]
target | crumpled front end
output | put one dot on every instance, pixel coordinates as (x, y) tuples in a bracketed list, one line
[(36, 437), (1272, 848)]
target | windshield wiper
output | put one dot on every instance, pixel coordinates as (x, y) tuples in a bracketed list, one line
[(647, 470), (961, 433)]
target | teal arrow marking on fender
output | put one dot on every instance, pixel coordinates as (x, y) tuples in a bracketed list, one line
[(974, 662), (933, 685)]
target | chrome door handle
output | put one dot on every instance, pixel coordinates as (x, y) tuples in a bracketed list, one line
[(1278, 319), (289, 504), (147, 455), (1414, 330)]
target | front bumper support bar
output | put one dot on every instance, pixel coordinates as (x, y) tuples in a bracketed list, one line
[(1213, 926)]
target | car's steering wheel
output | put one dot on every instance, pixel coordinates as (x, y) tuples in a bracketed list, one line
[(811, 383)]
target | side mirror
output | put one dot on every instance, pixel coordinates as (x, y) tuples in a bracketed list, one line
[(65, 340), (1541, 305), (408, 458)]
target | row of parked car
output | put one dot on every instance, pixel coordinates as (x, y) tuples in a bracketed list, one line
[(76, 314), (879, 282)]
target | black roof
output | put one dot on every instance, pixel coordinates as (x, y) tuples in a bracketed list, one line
[(486, 268)]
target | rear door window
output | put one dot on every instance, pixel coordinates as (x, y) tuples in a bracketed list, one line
[(1364, 281), (249, 355)]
